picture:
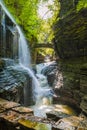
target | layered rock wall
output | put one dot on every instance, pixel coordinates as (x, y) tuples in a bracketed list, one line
[(71, 48), (15, 83)]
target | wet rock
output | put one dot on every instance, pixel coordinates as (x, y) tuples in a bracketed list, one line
[(22, 110), (51, 78), (83, 104), (56, 115), (71, 88), (14, 82), (32, 125), (2, 65), (49, 68), (71, 48), (83, 125), (13, 116), (70, 31), (61, 111), (69, 123), (50, 72), (11, 113), (4, 62), (11, 84)]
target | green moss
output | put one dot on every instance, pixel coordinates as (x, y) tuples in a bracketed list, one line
[(81, 4), (34, 125), (84, 66)]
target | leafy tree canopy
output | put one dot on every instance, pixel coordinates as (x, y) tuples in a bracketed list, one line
[(25, 13), (36, 28), (81, 4)]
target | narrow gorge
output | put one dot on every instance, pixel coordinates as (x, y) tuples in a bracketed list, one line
[(48, 95)]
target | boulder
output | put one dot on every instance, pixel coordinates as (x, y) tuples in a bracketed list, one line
[(54, 115), (71, 123), (50, 71)]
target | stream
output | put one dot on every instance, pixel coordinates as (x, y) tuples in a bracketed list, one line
[(45, 96)]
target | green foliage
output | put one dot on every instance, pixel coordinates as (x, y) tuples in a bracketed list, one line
[(36, 29), (25, 13), (81, 4), (46, 32)]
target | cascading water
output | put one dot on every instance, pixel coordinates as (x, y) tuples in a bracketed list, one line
[(45, 94), (40, 93), (25, 63), (24, 53)]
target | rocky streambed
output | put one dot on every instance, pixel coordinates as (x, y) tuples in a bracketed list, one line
[(16, 116)]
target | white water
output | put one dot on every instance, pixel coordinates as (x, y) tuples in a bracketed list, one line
[(41, 89), (40, 93), (24, 53), (44, 98), (25, 62)]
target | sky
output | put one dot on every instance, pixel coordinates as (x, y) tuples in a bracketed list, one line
[(43, 10)]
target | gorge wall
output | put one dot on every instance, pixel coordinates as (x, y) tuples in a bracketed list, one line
[(70, 43)]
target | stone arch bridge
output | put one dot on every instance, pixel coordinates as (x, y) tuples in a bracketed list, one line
[(41, 46)]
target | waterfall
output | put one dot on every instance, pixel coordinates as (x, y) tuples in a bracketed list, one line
[(25, 63), (24, 52), (24, 55)]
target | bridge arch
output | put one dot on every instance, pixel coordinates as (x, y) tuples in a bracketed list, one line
[(37, 58)]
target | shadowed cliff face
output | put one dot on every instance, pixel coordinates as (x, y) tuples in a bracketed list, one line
[(71, 47), (71, 31)]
